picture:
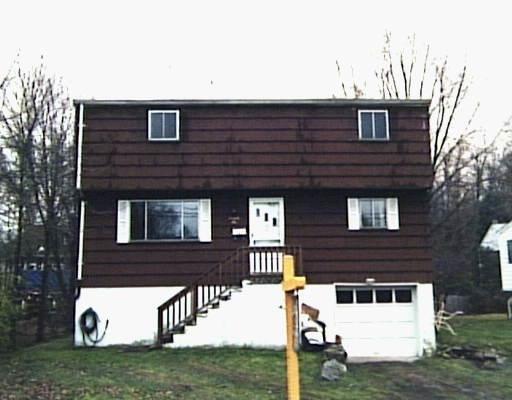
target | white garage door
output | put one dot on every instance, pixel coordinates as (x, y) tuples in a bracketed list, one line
[(377, 321)]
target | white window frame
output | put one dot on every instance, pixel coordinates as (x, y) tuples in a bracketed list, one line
[(360, 125), (355, 216), (164, 139), (204, 221), (372, 200), (353, 287), (177, 201)]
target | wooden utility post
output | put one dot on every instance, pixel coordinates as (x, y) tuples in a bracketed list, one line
[(291, 283)]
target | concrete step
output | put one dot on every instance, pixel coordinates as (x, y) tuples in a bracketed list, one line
[(179, 329), (225, 297)]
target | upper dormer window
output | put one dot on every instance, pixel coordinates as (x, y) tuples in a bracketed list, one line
[(373, 125), (164, 125)]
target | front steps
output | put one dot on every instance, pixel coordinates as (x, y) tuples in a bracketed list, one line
[(249, 316)]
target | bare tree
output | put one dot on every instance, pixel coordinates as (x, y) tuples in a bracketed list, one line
[(412, 73), (36, 126), (51, 170), (459, 162)]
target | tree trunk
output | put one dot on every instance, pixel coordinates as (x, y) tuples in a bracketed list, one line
[(43, 301), (16, 290)]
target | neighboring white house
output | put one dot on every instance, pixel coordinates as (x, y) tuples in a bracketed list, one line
[(499, 238)]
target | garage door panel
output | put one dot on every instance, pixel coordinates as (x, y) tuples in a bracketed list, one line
[(376, 330), (380, 348), (374, 313)]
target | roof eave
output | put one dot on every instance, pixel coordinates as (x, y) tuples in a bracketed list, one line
[(261, 102)]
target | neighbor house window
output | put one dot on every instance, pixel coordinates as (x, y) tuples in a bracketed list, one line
[(509, 248), (373, 125), (164, 125), (373, 213), (164, 220)]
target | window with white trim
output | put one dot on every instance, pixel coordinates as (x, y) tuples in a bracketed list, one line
[(380, 295), (164, 125), (164, 220), (373, 124), (509, 249), (373, 213)]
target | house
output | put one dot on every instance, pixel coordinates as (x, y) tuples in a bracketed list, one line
[(499, 238), (188, 206)]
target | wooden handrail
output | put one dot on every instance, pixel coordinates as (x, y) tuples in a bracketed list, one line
[(214, 283)]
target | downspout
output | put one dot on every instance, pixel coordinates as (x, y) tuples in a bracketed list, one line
[(81, 228), (78, 185), (79, 147)]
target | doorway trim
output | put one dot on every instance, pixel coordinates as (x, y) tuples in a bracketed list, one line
[(280, 201)]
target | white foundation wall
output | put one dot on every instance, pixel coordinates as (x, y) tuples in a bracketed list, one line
[(426, 315), (254, 316), (131, 312)]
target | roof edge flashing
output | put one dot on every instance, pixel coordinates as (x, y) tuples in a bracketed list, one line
[(258, 102)]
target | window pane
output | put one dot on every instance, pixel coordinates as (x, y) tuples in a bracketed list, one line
[(156, 126), (364, 296), (190, 218), (383, 295), (379, 213), (137, 218), (380, 125), (509, 248), (403, 295), (169, 126), (366, 125), (164, 220), (344, 296), (365, 208)]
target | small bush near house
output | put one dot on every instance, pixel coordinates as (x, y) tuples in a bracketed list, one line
[(483, 301)]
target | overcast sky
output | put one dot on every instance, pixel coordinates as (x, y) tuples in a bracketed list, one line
[(260, 49)]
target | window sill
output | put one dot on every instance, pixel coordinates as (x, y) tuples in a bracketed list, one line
[(166, 241), (163, 140)]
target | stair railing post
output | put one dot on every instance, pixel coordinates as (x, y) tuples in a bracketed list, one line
[(160, 326), (220, 278), (194, 301)]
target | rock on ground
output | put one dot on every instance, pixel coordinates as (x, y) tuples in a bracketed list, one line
[(333, 370)]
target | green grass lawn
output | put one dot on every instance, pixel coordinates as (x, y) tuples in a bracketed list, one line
[(56, 371)]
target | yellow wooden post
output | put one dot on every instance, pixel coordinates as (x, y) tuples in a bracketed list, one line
[(290, 284)]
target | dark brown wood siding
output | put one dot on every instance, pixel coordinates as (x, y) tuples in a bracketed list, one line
[(254, 147), (315, 220)]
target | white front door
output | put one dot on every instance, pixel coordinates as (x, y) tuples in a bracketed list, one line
[(266, 229)]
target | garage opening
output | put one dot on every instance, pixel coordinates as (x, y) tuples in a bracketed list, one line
[(377, 321)]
